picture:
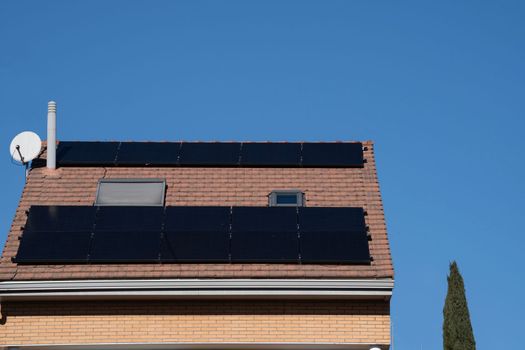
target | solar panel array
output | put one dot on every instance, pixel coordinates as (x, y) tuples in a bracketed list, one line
[(82, 234), (222, 154)]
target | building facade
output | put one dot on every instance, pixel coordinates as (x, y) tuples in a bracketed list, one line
[(91, 277)]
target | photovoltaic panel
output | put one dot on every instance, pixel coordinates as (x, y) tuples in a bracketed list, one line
[(334, 247), (194, 234), (209, 154), (250, 246), (264, 219), (333, 235), (60, 218), (332, 154), (191, 218), (271, 154), (348, 219), (129, 219), (125, 246), (148, 153), (261, 234), (195, 246), (53, 247), (86, 153)]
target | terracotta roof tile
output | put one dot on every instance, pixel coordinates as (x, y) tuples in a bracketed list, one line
[(209, 186)]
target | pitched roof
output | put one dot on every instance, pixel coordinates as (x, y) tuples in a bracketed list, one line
[(200, 186)]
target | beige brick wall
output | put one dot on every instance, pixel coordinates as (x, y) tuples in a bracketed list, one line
[(194, 321)]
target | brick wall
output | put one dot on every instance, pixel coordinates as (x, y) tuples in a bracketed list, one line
[(194, 321)]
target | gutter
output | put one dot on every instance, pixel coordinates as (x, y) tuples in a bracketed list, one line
[(196, 288)]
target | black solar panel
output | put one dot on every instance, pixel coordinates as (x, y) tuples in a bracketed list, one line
[(53, 247), (194, 234), (60, 218), (129, 219), (209, 154), (125, 246), (264, 219), (271, 154), (87, 153), (333, 235), (345, 219), (261, 234), (334, 247), (249, 246), (197, 219), (148, 153), (332, 155), (66, 234), (195, 246)]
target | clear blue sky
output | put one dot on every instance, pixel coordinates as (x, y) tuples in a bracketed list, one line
[(439, 86)]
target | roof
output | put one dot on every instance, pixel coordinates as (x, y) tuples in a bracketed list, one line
[(215, 186)]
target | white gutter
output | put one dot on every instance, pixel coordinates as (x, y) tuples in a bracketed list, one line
[(195, 288), (199, 346)]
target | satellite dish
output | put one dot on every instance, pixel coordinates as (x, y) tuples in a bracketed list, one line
[(25, 147)]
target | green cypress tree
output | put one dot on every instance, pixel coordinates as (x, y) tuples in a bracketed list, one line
[(457, 329)]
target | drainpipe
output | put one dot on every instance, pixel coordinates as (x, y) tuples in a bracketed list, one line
[(51, 134)]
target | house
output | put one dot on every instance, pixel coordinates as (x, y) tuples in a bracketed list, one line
[(198, 245)]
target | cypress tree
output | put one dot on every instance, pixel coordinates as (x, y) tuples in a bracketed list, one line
[(457, 329)]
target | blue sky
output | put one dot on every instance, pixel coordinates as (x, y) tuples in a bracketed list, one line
[(439, 86)]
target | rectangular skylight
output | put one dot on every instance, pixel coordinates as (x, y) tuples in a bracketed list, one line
[(131, 192)]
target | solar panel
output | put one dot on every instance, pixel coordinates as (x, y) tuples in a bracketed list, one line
[(347, 219), (87, 153), (148, 153), (129, 219), (127, 234), (196, 234), (333, 235), (60, 218), (53, 247), (195, 246), (209, 154), (264, 219), (76, 234), (125, 246), (271, 154), (261, 234), (197, 219), (334, 247), (332, 155), (255, 154)]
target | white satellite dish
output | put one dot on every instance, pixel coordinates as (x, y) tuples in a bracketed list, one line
[(25, 147)]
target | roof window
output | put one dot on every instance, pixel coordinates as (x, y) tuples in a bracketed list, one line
[(131, 192), (286, 198)]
